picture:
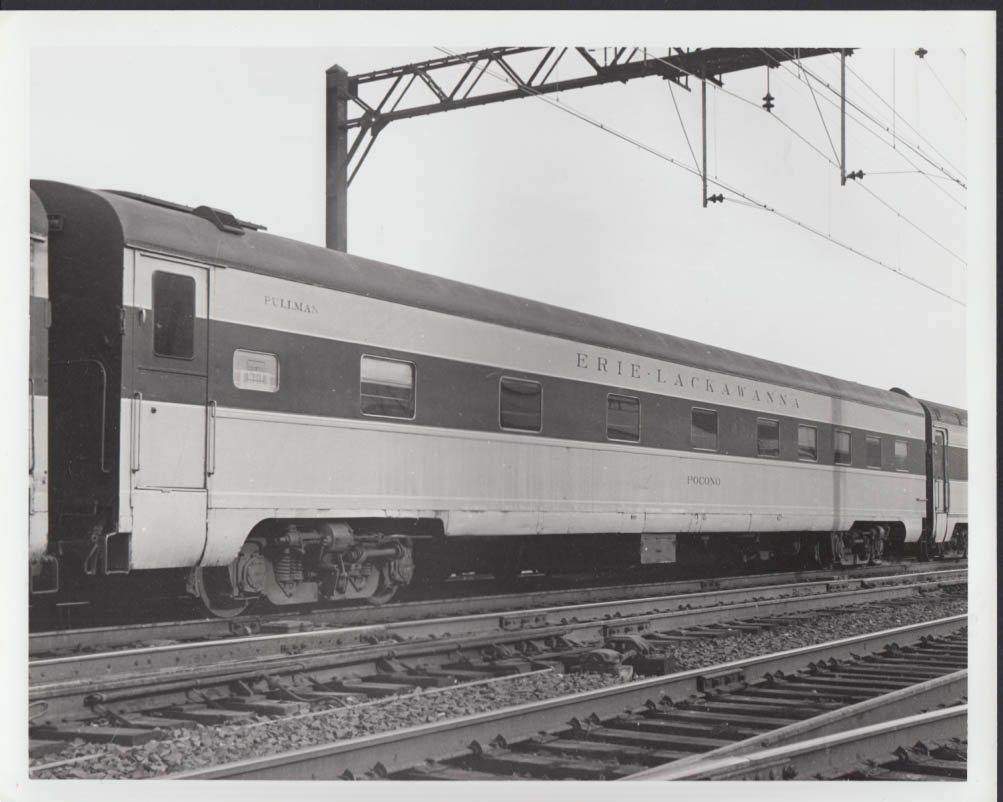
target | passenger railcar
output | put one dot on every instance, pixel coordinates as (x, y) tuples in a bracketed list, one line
[(285, 421)]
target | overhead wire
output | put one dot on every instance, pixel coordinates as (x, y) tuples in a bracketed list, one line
[(946, 90), (900, 153), (897, 116), (879, 123), (886, 126), (716, 182), (819, 110), (835, 164), (683, 126)]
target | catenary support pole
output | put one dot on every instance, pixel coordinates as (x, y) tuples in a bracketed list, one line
[(337, 159), (842, 118), (703, 117)]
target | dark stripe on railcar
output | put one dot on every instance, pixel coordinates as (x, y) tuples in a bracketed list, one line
[(320, 377), (147, 225)]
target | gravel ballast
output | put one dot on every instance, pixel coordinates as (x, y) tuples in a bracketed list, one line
[(218, 744)]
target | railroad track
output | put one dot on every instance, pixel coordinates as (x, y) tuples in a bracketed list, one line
[(138, 694), (750, 718), (75, 641), (930, 745)]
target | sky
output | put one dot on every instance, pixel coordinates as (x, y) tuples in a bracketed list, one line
[(227, 110), (526, 198)]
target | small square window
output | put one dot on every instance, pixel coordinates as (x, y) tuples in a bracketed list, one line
[(873, 452), (254, 370), (807, 443), (841, 447), (901, 455), (520, 405), (387, 387), (767, 437), (623, 418), (703, 429)]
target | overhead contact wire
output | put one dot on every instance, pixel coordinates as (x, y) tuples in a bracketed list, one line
[(751, 201), (902, 155), (896, 115), (835, 165), (879, 123)]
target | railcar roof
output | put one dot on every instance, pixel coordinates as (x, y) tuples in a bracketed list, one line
[(942, 412), (39, 222), (167, 228)]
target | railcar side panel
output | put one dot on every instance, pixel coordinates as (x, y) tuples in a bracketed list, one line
[(492, 483), (483, 484)]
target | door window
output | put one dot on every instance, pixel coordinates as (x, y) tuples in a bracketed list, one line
[(173, 315)]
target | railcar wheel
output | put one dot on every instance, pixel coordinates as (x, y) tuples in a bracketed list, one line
[(214, 589), (384, 593), (386, 588)]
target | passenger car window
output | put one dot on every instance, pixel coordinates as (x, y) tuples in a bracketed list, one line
[(873, 452), (901, 455), (767, 437), (841, 447), (173, 315), (623, 418), (520, 405), (703, 429), (387, 387), (807, 443), (254, 370)]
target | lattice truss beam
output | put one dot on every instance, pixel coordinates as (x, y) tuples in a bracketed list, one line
[(454, 82)]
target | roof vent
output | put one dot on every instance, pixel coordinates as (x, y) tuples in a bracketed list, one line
[(223, 220), (219, 218)]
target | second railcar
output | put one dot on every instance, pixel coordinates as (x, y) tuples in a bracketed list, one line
[(43, 570)]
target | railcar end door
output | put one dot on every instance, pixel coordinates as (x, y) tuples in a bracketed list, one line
[(170, 338)]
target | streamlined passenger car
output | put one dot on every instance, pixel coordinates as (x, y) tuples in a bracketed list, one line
[(284, 421)]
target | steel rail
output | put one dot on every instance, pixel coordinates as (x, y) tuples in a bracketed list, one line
[(53, 642), (942, 692), (395, 751), (840, 751), (88, 673)]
